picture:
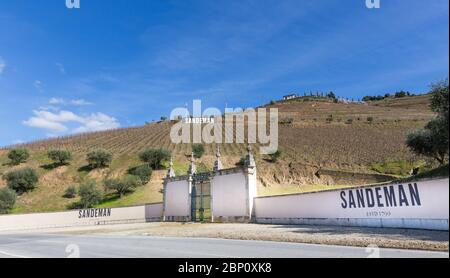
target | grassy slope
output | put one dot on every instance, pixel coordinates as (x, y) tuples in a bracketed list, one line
[(441, 171), (308, 144)]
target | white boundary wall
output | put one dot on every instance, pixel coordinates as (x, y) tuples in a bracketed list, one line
[(82, 217), (421, 205)]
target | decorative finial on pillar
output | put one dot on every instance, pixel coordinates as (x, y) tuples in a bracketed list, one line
[(171, 172), (249, 159), (192, 168), (217, 163)]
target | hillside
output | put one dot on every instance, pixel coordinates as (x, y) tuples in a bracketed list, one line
[(317, 153)]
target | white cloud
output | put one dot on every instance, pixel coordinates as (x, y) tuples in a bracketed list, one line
[(52, 121), (75, 102), (98, 122), (80, 102), (57, 122), (56, 101), (62, 116), (49, 108), (38, 85), (45, 124), (2, 65)]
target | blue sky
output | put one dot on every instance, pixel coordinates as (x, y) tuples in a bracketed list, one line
[(121, 63)]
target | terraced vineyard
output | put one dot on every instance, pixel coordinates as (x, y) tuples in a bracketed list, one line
[(391, 118)]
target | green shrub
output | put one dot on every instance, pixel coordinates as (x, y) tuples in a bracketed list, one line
[(123, 186), (22, 180), (329, 119), (90, 195), (60, 157), (275, 156), (18, 156), (7, 200), (398, 167), (286, 121), (99, 158), (132, 181), (155, 157), (70, 192), (241, 161), (331, 95), (400, 94), (144, 173), (198, 150), (370, 119)]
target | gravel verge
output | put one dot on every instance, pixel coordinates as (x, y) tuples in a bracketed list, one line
[(330, 235)]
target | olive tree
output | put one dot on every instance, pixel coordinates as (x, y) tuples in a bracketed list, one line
[(7, 200), (18, 156), (99, 158), (60, 157), (433, 140), (430, 141), (22, 180), (89, 194), (439, 100), (124, 185), (155, 157)]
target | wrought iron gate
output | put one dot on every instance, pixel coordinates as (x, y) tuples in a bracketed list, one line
[(201, 200)]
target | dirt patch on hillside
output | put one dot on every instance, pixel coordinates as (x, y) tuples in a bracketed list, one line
[(157, 178), (98, 174), (298, 174), (55, 177)]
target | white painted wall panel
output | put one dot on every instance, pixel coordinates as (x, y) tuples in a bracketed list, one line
[(154, 212), (433, 196), (177, 202), (229, 195)]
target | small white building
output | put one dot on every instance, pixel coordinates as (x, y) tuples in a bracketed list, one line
[(289, 97), (222, 195)]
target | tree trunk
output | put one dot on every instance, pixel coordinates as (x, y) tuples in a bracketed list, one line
[(440, 159)]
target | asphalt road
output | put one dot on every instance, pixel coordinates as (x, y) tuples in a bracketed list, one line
[(61, 246)]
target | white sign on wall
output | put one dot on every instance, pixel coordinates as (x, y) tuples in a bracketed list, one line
[(409, 202), (94, 216)]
